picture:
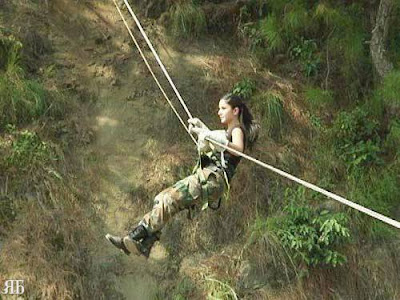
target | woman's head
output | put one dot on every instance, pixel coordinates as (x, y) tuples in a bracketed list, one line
[(232, 108)]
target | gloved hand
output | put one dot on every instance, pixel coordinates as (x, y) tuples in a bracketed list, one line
[(220, 137), (196, 123), (202, 144)]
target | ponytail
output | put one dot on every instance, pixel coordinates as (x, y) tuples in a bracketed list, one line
[(247, 122), (251, 127)]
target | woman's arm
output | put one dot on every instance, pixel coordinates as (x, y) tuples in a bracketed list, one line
[(237, 140)]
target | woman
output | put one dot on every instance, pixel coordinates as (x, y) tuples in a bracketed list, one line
[(207, 184)]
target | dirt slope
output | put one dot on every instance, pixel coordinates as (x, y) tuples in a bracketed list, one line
[(97, 57), (134, 153)]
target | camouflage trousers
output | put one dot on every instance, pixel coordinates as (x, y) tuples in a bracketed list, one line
[(204, 186)]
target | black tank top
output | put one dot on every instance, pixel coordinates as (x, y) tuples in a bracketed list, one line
[(232, 160)]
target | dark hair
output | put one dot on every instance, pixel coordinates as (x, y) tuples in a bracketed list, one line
[(247, 122)]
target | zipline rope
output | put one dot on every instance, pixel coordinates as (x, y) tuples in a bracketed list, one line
[(315, 188), (152, 73), (340, 199), (157, 58)]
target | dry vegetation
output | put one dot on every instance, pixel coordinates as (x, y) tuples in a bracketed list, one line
[(64, 151)]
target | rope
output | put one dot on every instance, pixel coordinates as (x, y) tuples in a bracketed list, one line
[(314, 187), (158, 59), (333, 196), (152, 73)]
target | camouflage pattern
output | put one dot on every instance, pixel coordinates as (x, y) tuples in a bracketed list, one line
[(204, 186)]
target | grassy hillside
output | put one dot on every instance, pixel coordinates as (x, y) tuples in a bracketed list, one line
[(85, 143)]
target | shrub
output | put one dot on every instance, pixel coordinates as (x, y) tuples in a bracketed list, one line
[(187, 20), (28, 150), (10, 52), (269, 105), (244, 88), (306, 52), (355, 138), (312, 236)]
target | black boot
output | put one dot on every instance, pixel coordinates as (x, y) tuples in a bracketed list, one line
[(133, 240), (138, 233), (147, 243), (117, 242)]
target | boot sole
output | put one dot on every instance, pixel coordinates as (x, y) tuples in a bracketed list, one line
[(121, 247), (133, 247)]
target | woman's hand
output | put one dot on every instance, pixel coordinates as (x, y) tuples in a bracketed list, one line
[(218, 136), (196, 122), (202, 144)]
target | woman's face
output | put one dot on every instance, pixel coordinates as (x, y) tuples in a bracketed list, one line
[(226, 113)]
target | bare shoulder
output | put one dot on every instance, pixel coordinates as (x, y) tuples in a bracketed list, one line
[(237, 133)]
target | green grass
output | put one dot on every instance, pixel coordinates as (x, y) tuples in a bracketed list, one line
[(377, 190), (270, 106), (217, 289), (390, 89), (392, 141), (318, 98), (22, 100), (187, 20)]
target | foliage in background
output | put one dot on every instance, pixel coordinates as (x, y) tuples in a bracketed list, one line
[(390, 89), (219, 290), (377, 190), (312, 237), (392, 140), (244, 88), (28, 150), (269, 106), (355, 138), (306, 52), (328, 41), (393, 40), (318, 98), (187, 20), (22, 100)]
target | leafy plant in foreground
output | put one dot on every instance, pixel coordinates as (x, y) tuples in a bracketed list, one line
[(312, 236)]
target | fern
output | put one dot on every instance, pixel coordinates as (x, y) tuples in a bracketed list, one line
[(270, 31)]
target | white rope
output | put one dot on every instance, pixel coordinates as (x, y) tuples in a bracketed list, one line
[(333, 196), (152, 73), (314, 187), (158, 58)]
